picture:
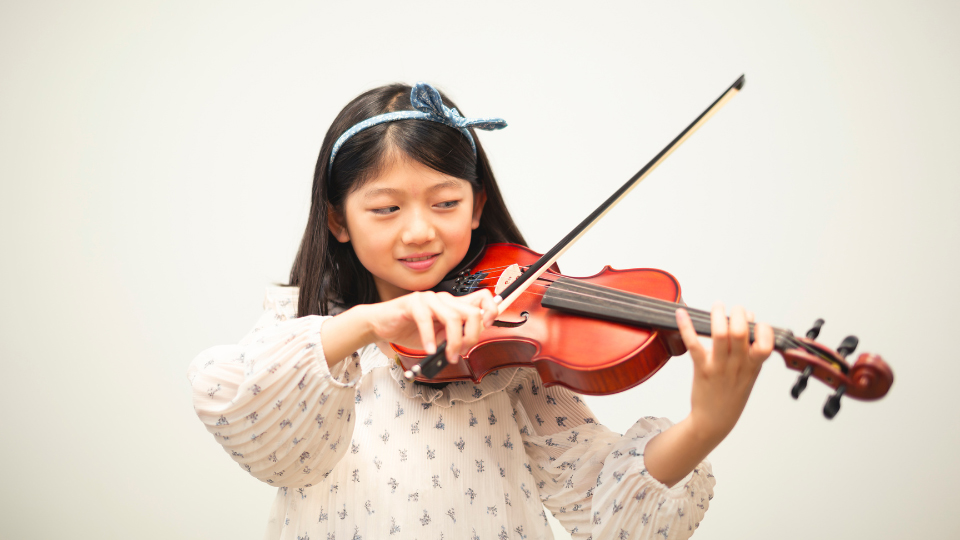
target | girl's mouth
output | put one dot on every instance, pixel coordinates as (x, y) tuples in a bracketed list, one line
[(421, 262)]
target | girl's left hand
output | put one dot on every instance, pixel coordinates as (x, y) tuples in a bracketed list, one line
[(723, 375)]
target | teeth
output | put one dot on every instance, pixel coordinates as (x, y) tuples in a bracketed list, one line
[(416, 259)]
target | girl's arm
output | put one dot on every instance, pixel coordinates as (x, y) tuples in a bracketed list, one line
[(722, 380), (347, 332), (281, 401), (272, 402), (415, 320)]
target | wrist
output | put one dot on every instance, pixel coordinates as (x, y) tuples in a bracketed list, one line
[(363, 316), (672, 454), (346, 333), (703, 431)]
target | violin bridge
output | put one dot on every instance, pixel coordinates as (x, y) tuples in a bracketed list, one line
[(508, 276)]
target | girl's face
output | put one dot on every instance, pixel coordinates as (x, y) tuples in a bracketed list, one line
[(410, 226)]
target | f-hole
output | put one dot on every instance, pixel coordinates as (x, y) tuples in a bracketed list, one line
[(505, 324)]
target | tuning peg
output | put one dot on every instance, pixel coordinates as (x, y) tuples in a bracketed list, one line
[(832, 406), (815, 331), (801, 382), (848, 345)]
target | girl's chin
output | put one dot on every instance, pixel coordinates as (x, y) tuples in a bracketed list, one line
[(409, 281), (419, 283), (423, 285)]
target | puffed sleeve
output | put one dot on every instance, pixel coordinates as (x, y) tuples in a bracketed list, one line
[(594, 480), (272, 402)]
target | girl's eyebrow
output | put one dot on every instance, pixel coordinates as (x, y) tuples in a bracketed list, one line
[(396, 192), (444, 184), (380, 191)]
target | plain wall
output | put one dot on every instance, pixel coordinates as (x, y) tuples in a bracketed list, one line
[(156, 162)]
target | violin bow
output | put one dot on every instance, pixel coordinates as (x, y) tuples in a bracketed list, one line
[(432, 364)]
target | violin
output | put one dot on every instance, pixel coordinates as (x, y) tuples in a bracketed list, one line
[(609, 332)]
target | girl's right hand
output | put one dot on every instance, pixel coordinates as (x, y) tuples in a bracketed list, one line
[(419, 319)]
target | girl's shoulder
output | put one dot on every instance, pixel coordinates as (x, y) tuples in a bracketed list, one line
[(284, 301)]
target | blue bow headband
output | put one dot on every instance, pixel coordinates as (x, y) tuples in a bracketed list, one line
[(429, 106)]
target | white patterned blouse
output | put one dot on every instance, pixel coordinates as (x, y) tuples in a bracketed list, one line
[(361, 453)]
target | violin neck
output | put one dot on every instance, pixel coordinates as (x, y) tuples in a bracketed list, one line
[(599, 302)]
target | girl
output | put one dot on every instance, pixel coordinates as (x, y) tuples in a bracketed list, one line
[(314, 404)]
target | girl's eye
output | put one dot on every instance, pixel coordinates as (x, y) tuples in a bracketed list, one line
[(446, 205), (385, 211)]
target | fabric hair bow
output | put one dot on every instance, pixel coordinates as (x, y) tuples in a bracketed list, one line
[(429, 106)]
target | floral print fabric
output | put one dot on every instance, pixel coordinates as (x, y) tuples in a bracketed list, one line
[(361, 453)]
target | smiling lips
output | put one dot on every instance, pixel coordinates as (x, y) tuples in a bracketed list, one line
[(420, 261)]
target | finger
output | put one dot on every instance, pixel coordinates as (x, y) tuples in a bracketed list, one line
[(689, 336), (762, 343), (749, 316), (739, 334), (469, 308), (452, 321), (484, 300), (490, 312), (424, 320), (464, 305), (718, 331), (471, 330), (475, 317)]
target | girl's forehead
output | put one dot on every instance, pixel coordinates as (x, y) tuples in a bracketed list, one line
[(409, 177)]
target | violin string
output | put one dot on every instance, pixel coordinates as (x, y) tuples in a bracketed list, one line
[(633, 303), (492, 268), (664, 308), (651, 305), (619, 297), (497, 277), (629, 297)]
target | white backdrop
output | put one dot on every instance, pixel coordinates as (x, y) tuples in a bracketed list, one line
[(156, 162)]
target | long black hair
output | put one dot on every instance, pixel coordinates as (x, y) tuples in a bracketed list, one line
[(328, 272)]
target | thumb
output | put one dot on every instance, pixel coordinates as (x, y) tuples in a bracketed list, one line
[(690, 339)]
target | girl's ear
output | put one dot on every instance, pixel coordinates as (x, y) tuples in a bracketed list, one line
[(479, 199), (337, 225)]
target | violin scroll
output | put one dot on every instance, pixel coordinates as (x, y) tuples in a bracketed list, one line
[(871, 376), (868, 379)]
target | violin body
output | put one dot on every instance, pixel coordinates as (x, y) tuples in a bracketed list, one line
[(589, 356)]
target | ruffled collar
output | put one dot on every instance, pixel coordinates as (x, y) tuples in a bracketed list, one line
[(465, 391)]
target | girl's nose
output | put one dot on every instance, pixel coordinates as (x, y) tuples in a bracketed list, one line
[(419, 230)]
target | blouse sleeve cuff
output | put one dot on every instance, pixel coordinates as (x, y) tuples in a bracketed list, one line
[(275, 406), (279, 360), (627, 497)]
